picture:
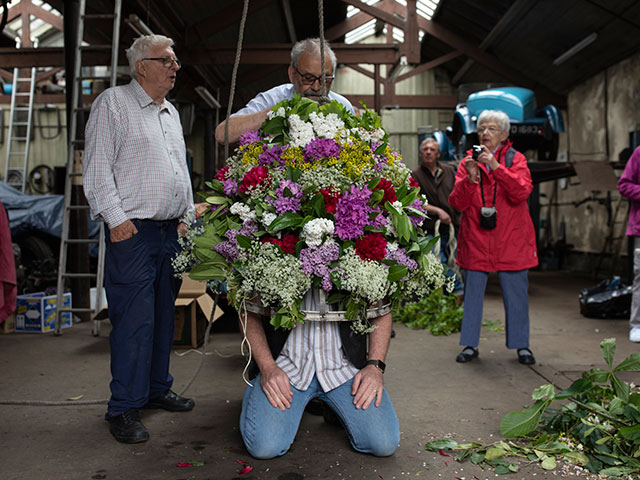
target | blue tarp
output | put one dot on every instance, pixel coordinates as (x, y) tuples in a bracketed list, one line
[(36, 212)]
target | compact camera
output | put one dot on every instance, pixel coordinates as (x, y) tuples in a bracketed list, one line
[(476, 151)]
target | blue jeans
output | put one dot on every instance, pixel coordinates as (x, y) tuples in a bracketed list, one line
[(515, 295), (268, 432), (141, 290)]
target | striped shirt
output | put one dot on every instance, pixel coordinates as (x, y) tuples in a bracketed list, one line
[(134, 163), (315, 348)]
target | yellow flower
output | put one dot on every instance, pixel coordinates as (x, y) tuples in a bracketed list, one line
[(354, 158), (250, 153), (294, 158)]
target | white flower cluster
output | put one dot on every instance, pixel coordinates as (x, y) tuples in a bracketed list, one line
[(301, 132), (326, 126), (279, 278), (279, 113), (367, 280), (375, 135), (425, 279), (267, 218), (243, 211), (314, 231)]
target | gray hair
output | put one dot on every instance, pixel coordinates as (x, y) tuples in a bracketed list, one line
[(501, 118), (429, 140), (141, 47), (312, 47)]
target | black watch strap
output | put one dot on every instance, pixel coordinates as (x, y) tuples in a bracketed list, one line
[(378, 363)]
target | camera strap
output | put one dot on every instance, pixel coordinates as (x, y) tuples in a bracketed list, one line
[(495, 187)]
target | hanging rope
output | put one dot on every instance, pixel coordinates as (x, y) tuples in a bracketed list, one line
[(324, 98), (243, 20)]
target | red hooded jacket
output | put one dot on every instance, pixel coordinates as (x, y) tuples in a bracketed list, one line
[(512, 244)]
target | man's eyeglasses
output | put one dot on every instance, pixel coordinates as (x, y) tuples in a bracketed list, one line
[(167, 62), (491, 130), (310, 79)]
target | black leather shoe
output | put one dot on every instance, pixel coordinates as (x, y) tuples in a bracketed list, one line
[(467, 354), (525, 356), (172, 402), (127, 428)]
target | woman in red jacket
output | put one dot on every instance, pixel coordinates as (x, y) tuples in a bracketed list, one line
[(496, 233)]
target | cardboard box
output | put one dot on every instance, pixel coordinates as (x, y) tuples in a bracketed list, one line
[(9, 324), (193, 310), (36, 312)]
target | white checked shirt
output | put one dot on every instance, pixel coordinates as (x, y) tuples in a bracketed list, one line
[(135, 158), (315, 347)]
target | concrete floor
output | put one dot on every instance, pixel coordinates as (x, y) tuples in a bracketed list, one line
[(433, 395)]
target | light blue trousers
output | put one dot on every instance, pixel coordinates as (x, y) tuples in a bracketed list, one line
[(268, 432), (515, 295)]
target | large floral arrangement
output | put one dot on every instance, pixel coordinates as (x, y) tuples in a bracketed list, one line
[(315, 199)]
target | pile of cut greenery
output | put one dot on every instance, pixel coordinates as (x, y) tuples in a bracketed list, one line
[(439, 313), (596, 427)]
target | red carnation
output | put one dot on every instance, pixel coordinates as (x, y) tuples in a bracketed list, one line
[(331, 197), (253, 178), (372, 246), (288, 244), (389, 192), (222, 174), (413, 182)]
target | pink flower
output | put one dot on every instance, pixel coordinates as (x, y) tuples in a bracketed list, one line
[(222, 174), (389, 192), (372, 246)]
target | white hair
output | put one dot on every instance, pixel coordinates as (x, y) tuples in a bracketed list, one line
[(429, 140), (501, 118), (312, 46), (141, 47)]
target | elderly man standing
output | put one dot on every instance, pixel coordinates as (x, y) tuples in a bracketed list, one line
[(305, 74), (436, 182), (136, 180)]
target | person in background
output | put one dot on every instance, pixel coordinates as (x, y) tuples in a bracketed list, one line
[(305, 74), (496, 234), (136, 180), (629, 186), (436, 180)]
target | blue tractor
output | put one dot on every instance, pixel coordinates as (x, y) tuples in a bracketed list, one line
[(531, 129)]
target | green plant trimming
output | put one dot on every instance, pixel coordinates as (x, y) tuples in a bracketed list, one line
[(597, 425)]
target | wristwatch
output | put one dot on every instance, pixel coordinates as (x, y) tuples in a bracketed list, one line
[(378, 363)]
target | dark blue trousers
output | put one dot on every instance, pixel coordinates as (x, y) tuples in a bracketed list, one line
[(515, 295), (141, 290)]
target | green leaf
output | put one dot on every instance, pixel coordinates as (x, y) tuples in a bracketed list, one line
[(441, 445), (494, 454), (218, 200), (544, 392), (632, 362), (621, 388), (243, 241), (477, 457), (612, 472), (502, 470), (580, 386), (286, 220), (396, 272), (576, 457), (631, 433), (548, 463), (519, 424), (373, 183), (204, 272), (608, 348), (317, 205), (596, 375)]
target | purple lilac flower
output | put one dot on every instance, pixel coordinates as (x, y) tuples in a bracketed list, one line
[(230, 187), (352, 213), (379, 222), (320, 148), (288, 196), (271, 157), (316, 260), (400, 256), (250, 136), (228, 250), (416, 220)]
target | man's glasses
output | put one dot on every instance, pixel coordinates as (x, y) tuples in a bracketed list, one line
[(167, 62), (310, 79)]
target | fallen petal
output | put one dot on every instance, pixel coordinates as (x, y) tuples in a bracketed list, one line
[(183, 464), (443, 454), (246, 469)]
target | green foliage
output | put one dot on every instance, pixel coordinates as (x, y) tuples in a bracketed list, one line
[(439, 313), (597, 426)]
